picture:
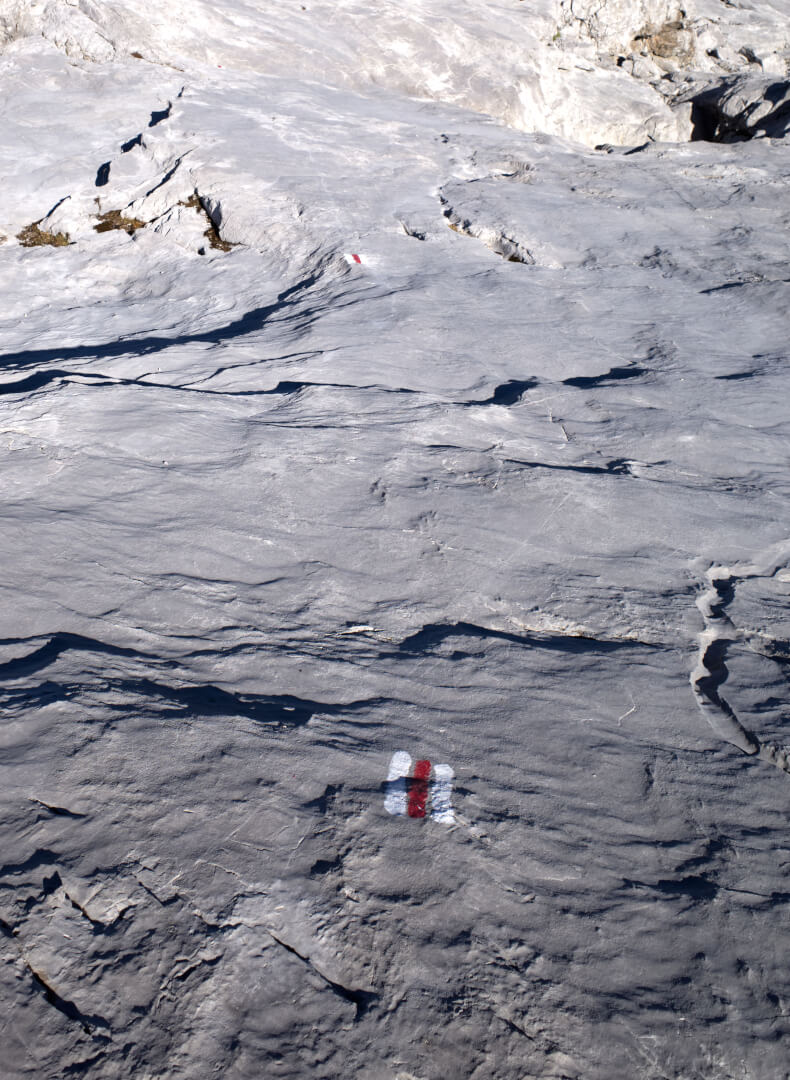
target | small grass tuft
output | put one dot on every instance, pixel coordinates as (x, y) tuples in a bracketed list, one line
[(33, 236), (114, 219)]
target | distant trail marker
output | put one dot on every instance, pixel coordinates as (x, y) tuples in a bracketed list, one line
[(395, 798), (418, 796), (407, 796), (352, 259), (442, 793)]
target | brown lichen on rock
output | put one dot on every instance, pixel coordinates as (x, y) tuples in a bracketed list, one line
[(33, 236), (114, 219), (672, 42)]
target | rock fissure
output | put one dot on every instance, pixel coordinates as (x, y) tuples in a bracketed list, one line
[(494, 238), (88, 1022), (711, 671), (197, 202), (92, 1024), (362, 1000)]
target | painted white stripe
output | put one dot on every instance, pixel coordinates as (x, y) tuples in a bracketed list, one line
[(441, 793), (395, 790)]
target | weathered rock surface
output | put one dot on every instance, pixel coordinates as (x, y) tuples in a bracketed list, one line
[(362, 411)]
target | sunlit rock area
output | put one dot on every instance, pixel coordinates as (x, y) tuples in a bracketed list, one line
[(396, 539)]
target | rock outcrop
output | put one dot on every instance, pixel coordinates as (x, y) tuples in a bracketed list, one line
[(743, 106)]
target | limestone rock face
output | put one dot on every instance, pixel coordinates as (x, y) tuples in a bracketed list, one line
[(395, 630), (653, 37), (746, 105), (510, 63), (615, 24), (552, 65), (739, 35)]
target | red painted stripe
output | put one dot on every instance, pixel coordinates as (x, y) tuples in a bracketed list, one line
[(356, 258), (418, 793)]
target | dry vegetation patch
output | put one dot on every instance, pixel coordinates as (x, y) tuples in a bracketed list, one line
[(212, 232), (33, 236), (114, 219)]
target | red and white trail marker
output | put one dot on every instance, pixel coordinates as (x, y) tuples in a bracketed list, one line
[(353, 259), (407, 793)]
